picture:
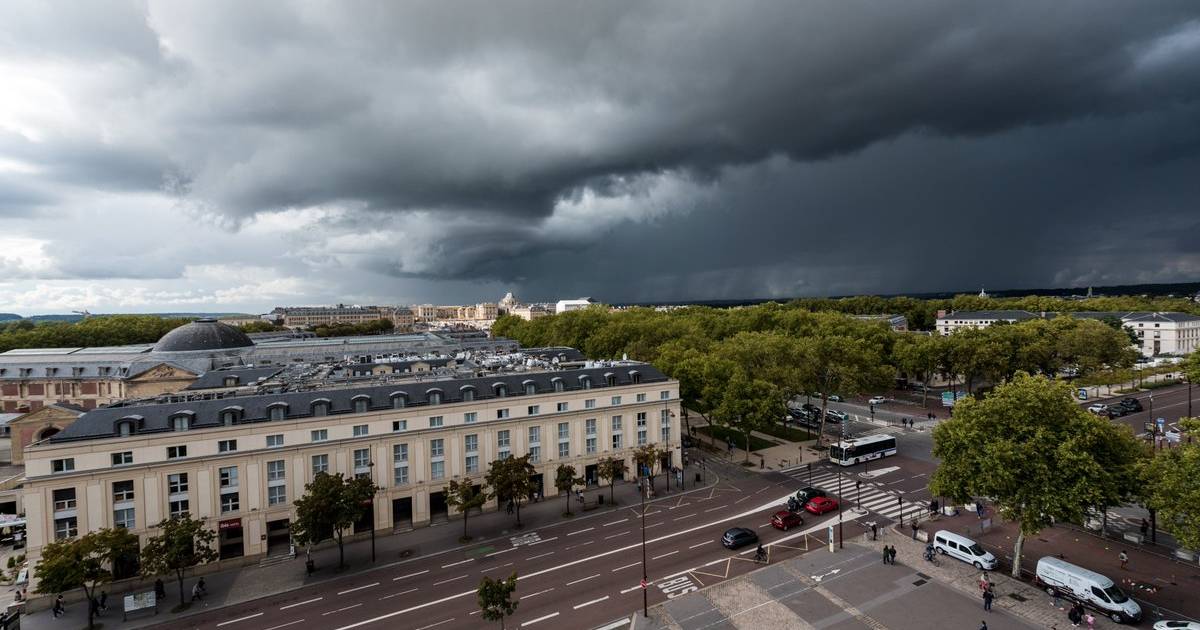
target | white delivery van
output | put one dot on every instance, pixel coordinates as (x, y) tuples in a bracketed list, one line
[(1087, 587), (963, 548)]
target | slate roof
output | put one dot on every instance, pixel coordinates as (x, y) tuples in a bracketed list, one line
[(155, 418), (203, 334), (214, 379), (972, 315), (562, 353), (399, 367)]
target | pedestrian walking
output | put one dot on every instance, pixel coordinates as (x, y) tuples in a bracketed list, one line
[(60, 608), (914, 530), (887, 553), (892, 555), (988, 596), (1091, 621), (103, 601), (1145, 528), (984, 582), (160, 590), (1073, 616), (982, 625), (1124, 559), (874, 531), (979, 509)]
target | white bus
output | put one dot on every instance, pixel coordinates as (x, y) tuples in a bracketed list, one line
[(853, 451)]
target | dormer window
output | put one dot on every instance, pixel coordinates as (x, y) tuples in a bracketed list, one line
[(320, 407), (635, 377), (399, 400), (231, 381), (610, 379), (128, 426), (585, 382), (558, 384), (500, 389), (181, 422), (530, 388), (434, 396), (468, 393), (277, 411), (362, 403), (231, 416)]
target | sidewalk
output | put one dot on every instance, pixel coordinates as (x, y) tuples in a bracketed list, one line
[(239, 585)]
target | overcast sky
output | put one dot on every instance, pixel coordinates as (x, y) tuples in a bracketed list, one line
[(235, 156)]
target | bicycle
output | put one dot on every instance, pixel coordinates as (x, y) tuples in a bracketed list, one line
[(760, 555)]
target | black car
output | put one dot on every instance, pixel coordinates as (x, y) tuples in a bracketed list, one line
[(808, 494), (739, 537), (1116, 411), (1131, 404)]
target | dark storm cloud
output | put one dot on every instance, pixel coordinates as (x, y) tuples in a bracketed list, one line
[(797, 147)]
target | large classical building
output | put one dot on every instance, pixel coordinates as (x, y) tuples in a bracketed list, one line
[(91, 377), (1157, 332), (240, 461)]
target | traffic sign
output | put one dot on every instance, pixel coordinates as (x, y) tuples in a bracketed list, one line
[(643, 583)]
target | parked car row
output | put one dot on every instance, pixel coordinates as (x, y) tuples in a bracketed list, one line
[(1116, 410)]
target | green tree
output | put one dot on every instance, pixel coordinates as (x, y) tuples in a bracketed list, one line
[(512, 477), (1035, 453), (331, 505), (181, 543), (918, 356), (648, 457), (464, 497), (495, 598), (565, 479), (612, 468), (1170, 478), (84, 562), (1191, 371), (747, 405), (839, 363)]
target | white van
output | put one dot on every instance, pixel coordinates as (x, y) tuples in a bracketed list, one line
[(1087, 587), (963, 548)]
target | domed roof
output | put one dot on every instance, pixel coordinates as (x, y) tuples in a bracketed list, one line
[(203, 334)]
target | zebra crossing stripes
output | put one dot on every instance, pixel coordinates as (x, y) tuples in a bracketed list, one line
[(873, 498)]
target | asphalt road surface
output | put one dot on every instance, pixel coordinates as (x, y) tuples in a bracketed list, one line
[(581, 573)]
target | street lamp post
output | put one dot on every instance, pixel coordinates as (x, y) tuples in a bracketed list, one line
[(645, 573), (371, 466)]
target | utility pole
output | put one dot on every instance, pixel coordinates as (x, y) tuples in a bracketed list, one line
[(645, 574)]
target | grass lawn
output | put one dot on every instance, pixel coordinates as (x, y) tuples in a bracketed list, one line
[(739, 440), (791, 434)]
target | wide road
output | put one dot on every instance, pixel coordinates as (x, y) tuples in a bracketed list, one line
[(577, 574)]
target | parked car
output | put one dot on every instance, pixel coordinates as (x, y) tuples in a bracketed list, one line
[(876, 400), (786, 520), (1166, 624), (1098, 408), (1131, 404), (1115, 411), (821, 505), (739, 537), (835, 398), (1088, 588), (963, 548), (1173, 435), (834, 414), (808, 494)]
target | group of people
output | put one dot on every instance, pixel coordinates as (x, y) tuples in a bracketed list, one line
[(1078, 614), (96, 605), (889, 555)]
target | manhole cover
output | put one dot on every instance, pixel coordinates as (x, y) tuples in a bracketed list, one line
[(918, 582), (922, 576)]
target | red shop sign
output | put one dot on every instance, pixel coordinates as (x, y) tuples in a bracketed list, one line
[(233, 523)]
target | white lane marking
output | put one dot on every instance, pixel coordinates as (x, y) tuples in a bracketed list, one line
[(411, 575), (307, 601), (543, 618), (671, 553), (537, 593), (632, 564), (509, 564), (496, 553), (397, 594), (540, 555), (615, 522), (698, 545), (542, 541), (284, 625), (634, 588), (740, 500), (594, 601), (357, 588), (454, 564), (434, 625), (583, 579), (652, 525), (719, 507), (340, 610), (682, 532), (764, 525), (653, 513), (450, 580), (684, 517), (579, 545), (620, 623), (615, 535), (225, 623), (581, 531)]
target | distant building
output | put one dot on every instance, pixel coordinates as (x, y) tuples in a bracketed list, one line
[(1157, 332), (242, 321), (898, 323), (530, 312), (565, 306), (309, 316)]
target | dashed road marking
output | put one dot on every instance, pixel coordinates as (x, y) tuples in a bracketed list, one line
[(583, 579), (284, 625), (615, 535), (632, 564), (581, 531), (411, 590), (594, 601), (434, 625), (454, 564), (542, 618), (719, 507), (540, 555), (541, 592), (685, 517), (340, 609), (615, 522), (307, 601), (409, 575), (669, 553), (357, 588), (698, 545), (225, 623), (508, 564), (450, 580)]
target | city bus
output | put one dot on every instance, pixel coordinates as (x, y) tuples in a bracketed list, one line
[(853, 451)]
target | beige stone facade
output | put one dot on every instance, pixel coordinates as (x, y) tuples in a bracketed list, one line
[(39, 425), (243, 478)]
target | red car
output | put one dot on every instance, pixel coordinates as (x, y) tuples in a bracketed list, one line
[(786, 520), (821, 505)]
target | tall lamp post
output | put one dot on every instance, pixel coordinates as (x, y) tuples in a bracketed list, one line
[(841, 497), (645, 573)]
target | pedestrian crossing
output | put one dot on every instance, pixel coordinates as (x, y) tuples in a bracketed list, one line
[(874, 498)]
